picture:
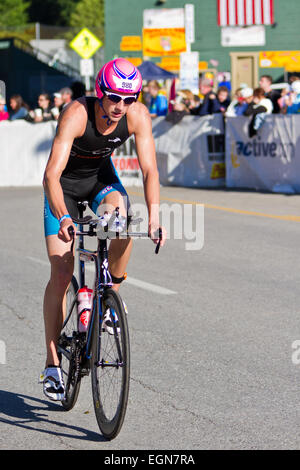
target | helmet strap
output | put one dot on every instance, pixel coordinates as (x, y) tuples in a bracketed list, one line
[(104, 116)]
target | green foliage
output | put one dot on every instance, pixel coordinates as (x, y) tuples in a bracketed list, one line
[(13, 12), (66, 9), (89, 14)]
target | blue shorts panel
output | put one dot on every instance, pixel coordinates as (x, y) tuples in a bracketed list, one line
[(107, 190), (51, 223)]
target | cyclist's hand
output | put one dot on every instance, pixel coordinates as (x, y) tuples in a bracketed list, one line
[(154, 234), (65, 230)]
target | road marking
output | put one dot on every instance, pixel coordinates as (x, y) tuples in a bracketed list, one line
[(291, 218), (131, 280), (148, 286), (143, 285)]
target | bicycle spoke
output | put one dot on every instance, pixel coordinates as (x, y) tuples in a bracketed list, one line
[(110, 372)]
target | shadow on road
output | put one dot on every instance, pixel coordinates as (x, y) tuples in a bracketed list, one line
[(30, 415)]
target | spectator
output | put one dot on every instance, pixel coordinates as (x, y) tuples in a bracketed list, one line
[(146, 97), (181, 106), (293, 101), (66, 95), (3, 113), (19, 108), (258, 108), (284, 98), (209, 103), (43, 112), (222, 99), (225, 81), (238, 105), (58, 105), (293, 78), (159, 102), (265, 83)]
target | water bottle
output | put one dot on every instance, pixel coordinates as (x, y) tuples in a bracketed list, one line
[(85, 298)]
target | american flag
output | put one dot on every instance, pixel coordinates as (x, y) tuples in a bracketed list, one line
[(245, 12)]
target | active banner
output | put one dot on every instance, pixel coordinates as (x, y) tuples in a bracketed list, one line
[(191, 153), (267, 161)]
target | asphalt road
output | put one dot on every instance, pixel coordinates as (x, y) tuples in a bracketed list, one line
[(212, 330)]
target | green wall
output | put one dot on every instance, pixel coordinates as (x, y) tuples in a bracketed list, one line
[(125, 18)]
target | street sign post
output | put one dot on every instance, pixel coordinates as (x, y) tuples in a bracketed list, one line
[(87, 70), (86, 44)]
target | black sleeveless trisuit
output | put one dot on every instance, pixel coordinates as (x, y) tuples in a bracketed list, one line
[(89, 174)]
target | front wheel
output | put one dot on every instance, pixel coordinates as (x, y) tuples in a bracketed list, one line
[(110, 365)]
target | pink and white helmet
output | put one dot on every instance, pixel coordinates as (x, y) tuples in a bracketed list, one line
[(119, 75)]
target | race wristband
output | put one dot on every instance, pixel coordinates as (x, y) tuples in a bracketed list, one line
[(66, 216)]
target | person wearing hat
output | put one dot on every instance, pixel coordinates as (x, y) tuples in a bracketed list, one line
[(238, 105), (3, 113)]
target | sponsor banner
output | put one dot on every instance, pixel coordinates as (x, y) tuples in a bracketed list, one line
[(163, 18), (126, 164), (191, 153), (131, 43), (266, 161), (290, 60), (25, 149), (163, 41)]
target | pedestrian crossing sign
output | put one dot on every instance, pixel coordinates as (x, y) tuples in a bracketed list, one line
[(85, 43)]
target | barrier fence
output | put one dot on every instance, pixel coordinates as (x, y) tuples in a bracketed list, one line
[(196, 152)]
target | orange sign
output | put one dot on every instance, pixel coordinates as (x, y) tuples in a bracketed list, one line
[(170, 63), (290, 60), (131, 43), (163, 41), (203, 65), (134, 60)]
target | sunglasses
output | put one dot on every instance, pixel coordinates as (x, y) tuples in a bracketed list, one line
[(115, 98)]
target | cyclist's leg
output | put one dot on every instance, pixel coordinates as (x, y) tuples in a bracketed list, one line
[(113, 196), (62, 266)]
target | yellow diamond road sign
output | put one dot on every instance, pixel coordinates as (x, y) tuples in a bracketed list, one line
[(85, 43)]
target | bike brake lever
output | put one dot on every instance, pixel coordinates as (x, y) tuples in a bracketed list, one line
[(72, 234), (158, 244)]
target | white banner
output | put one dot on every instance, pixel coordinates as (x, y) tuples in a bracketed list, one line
[(268, 161), (191, 153), (25, 149)]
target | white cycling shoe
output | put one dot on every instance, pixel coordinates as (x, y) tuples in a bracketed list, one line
[(53, 383), (110, 318)]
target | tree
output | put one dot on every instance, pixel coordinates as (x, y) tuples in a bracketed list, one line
[(13, 12), (89, 14), (66, 9)]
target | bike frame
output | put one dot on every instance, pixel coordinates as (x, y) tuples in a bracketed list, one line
[(102, 278)]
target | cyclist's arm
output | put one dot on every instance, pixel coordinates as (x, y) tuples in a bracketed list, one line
[(140, 123), (71, 125)]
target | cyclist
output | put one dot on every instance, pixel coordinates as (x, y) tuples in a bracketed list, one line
[(80, 168)]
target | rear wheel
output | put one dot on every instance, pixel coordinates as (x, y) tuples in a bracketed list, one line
[(68, 348), (110, 366)]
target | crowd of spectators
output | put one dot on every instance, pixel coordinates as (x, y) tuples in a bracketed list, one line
[(255, 103), (47, 108)]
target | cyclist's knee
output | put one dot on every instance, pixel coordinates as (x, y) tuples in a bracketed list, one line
[(113, 200)]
